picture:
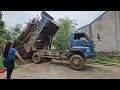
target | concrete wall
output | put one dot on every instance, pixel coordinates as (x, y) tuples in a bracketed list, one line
[(108, 27), (118, 29)]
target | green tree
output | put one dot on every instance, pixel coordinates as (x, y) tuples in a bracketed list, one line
[(2, 24), (4, 35), (62, 37), (3, 32), (15, 31), (0, 15)]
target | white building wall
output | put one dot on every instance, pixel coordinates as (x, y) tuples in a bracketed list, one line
[(108, 27)]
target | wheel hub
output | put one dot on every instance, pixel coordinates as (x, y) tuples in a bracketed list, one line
[(76, 62), (36, 57)]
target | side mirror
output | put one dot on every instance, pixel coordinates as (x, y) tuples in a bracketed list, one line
[(98, 36)]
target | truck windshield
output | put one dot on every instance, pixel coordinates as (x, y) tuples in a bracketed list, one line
[(81, 37)]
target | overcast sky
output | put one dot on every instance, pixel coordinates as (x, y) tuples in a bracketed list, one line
[(82, 17)]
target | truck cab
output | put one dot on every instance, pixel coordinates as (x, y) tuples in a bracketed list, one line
[(81, 42)]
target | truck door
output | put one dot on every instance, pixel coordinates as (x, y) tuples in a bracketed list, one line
[(82, 41)]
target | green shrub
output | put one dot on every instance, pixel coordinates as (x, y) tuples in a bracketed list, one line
[(103, 58), (1, 62)]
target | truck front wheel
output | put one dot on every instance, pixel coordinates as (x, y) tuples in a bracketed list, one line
[(36, 58), (77, 62)]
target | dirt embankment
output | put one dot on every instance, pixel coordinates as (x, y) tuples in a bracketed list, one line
[(61, 70)]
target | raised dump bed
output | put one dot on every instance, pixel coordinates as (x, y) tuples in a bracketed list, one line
[(36, 35)]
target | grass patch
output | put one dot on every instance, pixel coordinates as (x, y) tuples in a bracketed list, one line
[(20, 63), (1, 62), (104, 60)]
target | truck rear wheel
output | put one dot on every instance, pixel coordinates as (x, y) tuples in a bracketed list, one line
[(36, 58), (77, 62)]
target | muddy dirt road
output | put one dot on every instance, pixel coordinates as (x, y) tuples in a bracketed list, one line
[(61, 70)]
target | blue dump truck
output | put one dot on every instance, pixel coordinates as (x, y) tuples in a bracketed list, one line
[(36, 38)]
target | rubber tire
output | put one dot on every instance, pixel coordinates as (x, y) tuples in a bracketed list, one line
[(82, 60), (40, 59)]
